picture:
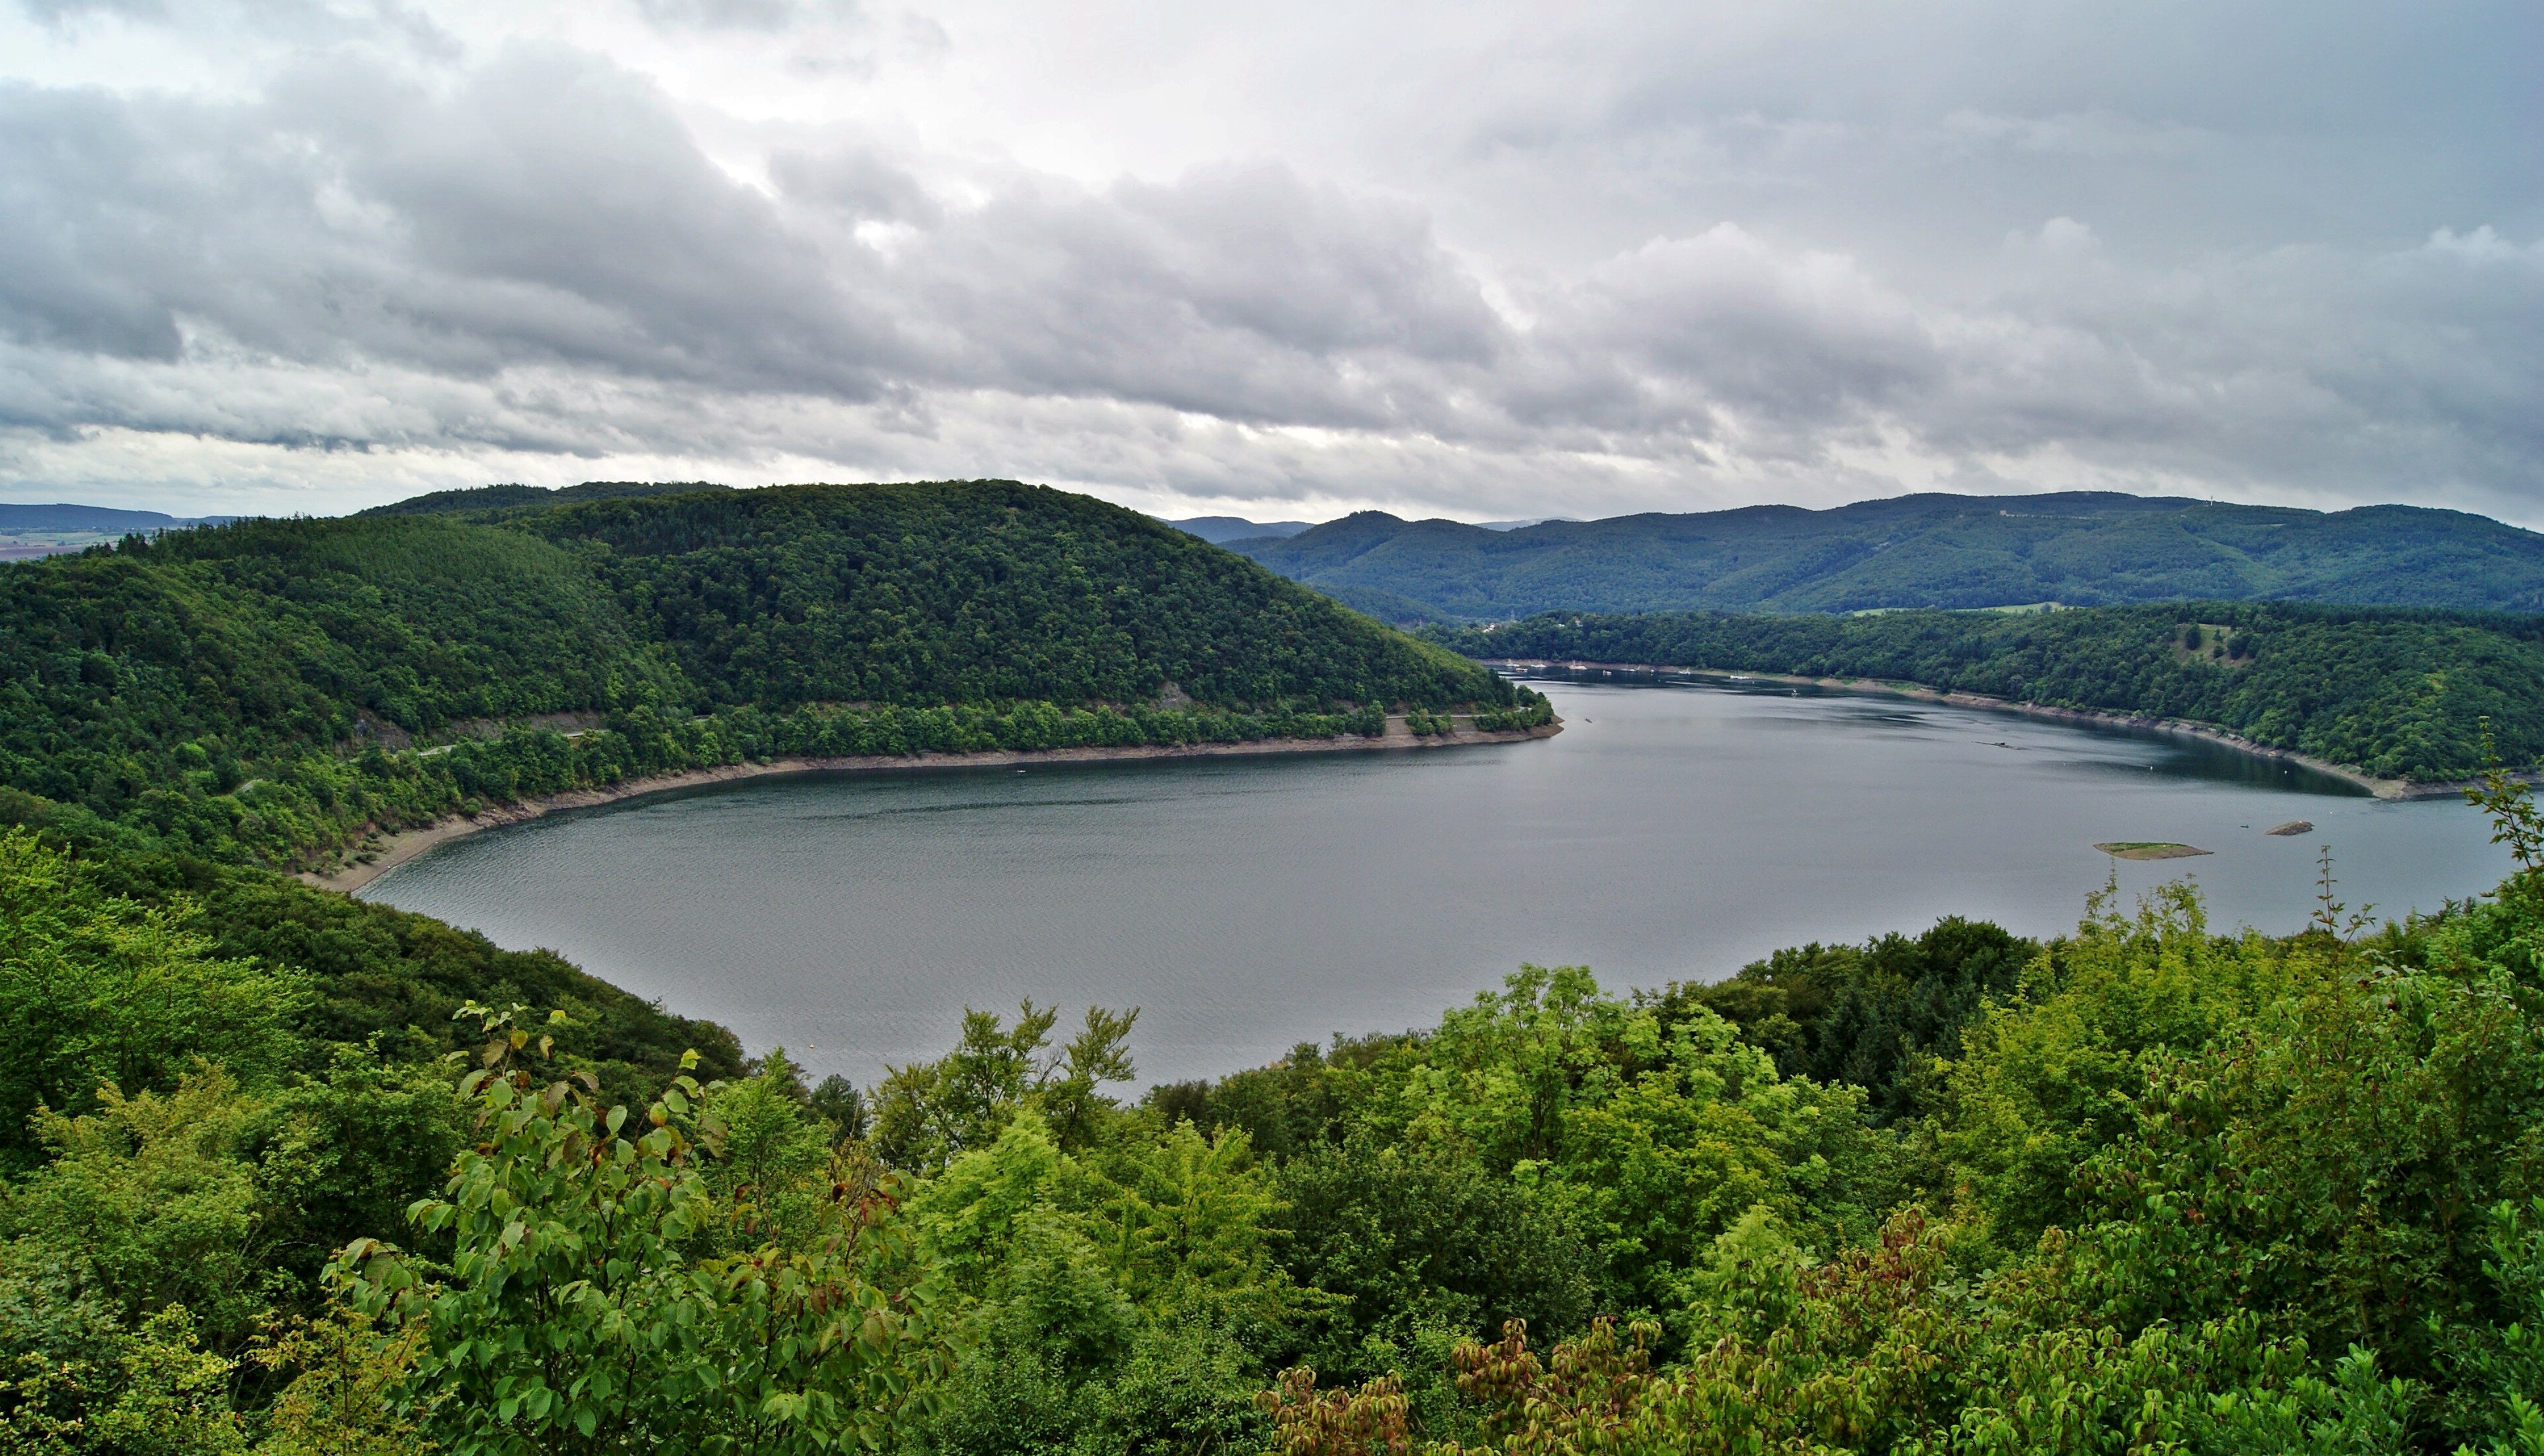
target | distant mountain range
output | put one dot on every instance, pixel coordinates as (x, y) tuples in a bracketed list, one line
[(1219, 530), (2076, 549), (94, 519), (1228, 531), (1925, 551)]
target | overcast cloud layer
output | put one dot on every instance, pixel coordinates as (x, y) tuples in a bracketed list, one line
[(1468, 259)]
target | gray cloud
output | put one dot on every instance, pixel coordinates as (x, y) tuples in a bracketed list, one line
[(551, 211), (1242, 292), (530, 255)]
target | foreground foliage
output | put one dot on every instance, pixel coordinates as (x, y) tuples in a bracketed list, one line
[(2145, 1187), (575, 1314)]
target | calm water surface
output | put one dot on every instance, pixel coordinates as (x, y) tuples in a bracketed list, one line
[(1247, 905)]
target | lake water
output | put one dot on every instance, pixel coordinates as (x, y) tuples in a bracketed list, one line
[(1245, 905)]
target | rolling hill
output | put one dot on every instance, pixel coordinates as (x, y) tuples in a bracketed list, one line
[(1916, 551), (263, 690)]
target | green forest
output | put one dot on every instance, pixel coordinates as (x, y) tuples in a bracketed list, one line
[(268, 692), (2396, 693), (2077, 549), (290, 1174)]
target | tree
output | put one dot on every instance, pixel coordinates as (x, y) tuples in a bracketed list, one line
[(928, 1113)]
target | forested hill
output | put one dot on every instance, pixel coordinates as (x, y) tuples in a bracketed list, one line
[(263, 689), (1924, 550), (2397, 694), (983, 592)]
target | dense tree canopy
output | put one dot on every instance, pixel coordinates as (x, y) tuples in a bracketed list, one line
[(981, 593), (2145, 1186), (263, 691)]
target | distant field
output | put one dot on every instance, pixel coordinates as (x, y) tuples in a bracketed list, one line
[(25, 547), (27, 532)]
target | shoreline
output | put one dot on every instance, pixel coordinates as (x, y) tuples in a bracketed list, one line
[(404, 845), (2390, 789)]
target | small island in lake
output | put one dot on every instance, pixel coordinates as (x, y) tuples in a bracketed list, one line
[(2292, 826), (2148, 849)]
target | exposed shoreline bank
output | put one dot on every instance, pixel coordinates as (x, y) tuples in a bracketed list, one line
[(2383, 788), (405, 845)]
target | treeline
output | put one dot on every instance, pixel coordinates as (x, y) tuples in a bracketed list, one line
[(316, 801), (264, 691), (2148, 1186), (485, 499), (2397, 694)]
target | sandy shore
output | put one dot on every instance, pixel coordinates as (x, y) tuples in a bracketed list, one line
[(397, 849), (2383, 788)]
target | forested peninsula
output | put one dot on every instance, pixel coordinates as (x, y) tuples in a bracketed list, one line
[(271, 692), (2392, 693)]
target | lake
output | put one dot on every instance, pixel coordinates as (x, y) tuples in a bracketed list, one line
[(1244, 905)]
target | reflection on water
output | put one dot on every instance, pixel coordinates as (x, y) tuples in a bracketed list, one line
[(1247, 904), (2181, 754)]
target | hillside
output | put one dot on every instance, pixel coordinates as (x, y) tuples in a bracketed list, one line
[(263, 691), (1928, 550), (2395, 693)]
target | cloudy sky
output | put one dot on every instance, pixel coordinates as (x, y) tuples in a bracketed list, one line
[(1472, 258)]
